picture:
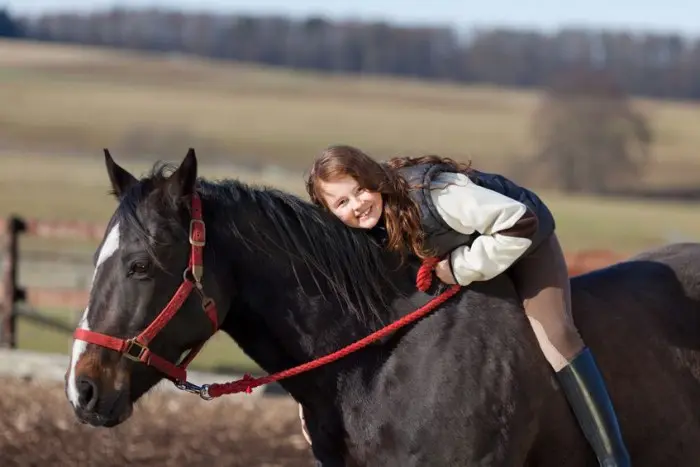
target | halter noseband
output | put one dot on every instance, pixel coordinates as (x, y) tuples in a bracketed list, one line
[(136, 348)]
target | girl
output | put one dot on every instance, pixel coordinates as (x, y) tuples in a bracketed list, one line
[(481, 225)]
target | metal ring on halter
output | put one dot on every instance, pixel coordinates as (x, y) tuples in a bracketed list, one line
[(197, 281), (204, 393)]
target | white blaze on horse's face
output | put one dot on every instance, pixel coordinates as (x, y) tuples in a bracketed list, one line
[(109, 247)]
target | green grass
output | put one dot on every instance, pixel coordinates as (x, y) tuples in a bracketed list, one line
[(626, 227)]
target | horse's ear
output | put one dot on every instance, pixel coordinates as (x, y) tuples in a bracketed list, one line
[(184, 178), (120, 179)]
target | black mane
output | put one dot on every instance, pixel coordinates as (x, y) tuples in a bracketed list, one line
[(351, 261)]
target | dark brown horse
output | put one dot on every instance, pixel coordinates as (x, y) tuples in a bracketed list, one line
[(465, 386)]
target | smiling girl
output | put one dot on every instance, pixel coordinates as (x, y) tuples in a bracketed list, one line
[(480, 225)]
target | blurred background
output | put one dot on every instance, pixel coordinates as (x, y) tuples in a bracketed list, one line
[(594, 105)]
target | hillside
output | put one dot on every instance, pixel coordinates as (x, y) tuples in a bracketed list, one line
[(60, 98)]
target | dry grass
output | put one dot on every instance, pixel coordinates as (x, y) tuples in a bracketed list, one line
[(71, 187), (69, 97)]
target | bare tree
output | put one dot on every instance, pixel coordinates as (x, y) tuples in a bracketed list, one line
[(590, 136)]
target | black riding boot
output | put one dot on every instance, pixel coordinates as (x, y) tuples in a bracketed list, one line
[(585, 390)]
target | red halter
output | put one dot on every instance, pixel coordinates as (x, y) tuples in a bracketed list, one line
[(136, 349)]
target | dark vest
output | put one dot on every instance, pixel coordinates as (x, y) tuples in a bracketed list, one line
[(440, 238)]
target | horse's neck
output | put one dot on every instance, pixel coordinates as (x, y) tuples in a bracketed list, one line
[(281, 316), (283, 305)]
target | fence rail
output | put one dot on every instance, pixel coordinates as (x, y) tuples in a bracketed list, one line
[(58, 229), (12, 294), (26, 302)]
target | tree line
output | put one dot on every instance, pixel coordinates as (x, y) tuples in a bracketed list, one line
[(589, 137), (646, 64)]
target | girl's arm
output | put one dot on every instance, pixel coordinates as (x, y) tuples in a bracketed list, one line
[(506, 227)]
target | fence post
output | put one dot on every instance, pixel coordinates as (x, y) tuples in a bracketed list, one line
[(11, 291)]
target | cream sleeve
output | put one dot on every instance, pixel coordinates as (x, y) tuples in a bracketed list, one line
[(506, 226)]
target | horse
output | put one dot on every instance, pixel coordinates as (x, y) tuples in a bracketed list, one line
[(464, 385)]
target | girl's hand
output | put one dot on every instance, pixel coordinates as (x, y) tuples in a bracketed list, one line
[(444, 271)]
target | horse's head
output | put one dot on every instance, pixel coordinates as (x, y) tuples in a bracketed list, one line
[(147, 304)]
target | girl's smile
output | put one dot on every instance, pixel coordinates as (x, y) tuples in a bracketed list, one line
[(352, 204)]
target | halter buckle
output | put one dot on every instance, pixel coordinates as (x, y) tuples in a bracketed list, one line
[(131, 343), (194, 242)]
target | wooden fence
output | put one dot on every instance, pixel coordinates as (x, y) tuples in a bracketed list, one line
[(12, 293)]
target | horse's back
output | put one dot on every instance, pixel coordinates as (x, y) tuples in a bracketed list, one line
[(468, 385), (462, 388), (641, 318), (653, 296)]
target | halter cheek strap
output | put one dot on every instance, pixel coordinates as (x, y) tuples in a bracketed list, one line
[(136, 348)]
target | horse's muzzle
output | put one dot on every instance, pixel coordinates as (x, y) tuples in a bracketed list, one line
[(101, 408)]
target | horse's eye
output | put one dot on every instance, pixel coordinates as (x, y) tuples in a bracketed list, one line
[(138, 268)]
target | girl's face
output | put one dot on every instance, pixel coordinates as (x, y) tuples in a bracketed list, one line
[(356, 207)]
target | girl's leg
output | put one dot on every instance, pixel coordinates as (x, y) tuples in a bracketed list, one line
[(542, 281)]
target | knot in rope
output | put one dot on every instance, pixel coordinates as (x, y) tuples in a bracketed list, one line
[(425, 274)]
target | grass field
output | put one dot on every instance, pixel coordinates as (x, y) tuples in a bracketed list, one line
[(66, 97), (245, 120)]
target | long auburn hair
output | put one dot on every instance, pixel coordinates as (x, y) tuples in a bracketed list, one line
[(401, 214)]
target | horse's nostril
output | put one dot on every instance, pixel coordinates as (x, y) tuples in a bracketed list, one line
[(87, 393)]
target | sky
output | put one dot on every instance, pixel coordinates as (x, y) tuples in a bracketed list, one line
[(664, 16)]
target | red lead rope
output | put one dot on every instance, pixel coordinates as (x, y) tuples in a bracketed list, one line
[(247, 383)]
